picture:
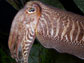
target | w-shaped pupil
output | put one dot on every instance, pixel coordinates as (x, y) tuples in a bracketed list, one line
[(31, 10)]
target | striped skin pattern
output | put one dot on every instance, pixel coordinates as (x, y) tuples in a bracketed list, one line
[(22, 33), (54, 28), (61, 30)]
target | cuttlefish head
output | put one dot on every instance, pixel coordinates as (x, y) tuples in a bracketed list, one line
[(23, 24)]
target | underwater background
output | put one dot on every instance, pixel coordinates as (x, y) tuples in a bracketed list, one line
[(38, 54)]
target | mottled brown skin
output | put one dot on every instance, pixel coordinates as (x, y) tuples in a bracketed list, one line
[(54, 28)]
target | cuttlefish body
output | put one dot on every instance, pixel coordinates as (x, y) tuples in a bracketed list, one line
[(54, 28)]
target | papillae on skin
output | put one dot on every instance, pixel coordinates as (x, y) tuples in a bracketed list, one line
[(53, 27)]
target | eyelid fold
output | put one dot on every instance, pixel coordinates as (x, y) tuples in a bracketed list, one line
[(33, 6), (29, 11)]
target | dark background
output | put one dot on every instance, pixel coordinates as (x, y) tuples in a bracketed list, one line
[(7, 13)]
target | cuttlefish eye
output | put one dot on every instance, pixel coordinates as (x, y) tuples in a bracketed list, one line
[(31, 10)]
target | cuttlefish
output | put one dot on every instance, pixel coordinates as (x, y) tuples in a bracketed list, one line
[(53, 27)]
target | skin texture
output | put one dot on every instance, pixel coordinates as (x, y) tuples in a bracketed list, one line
[(54, 28)]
